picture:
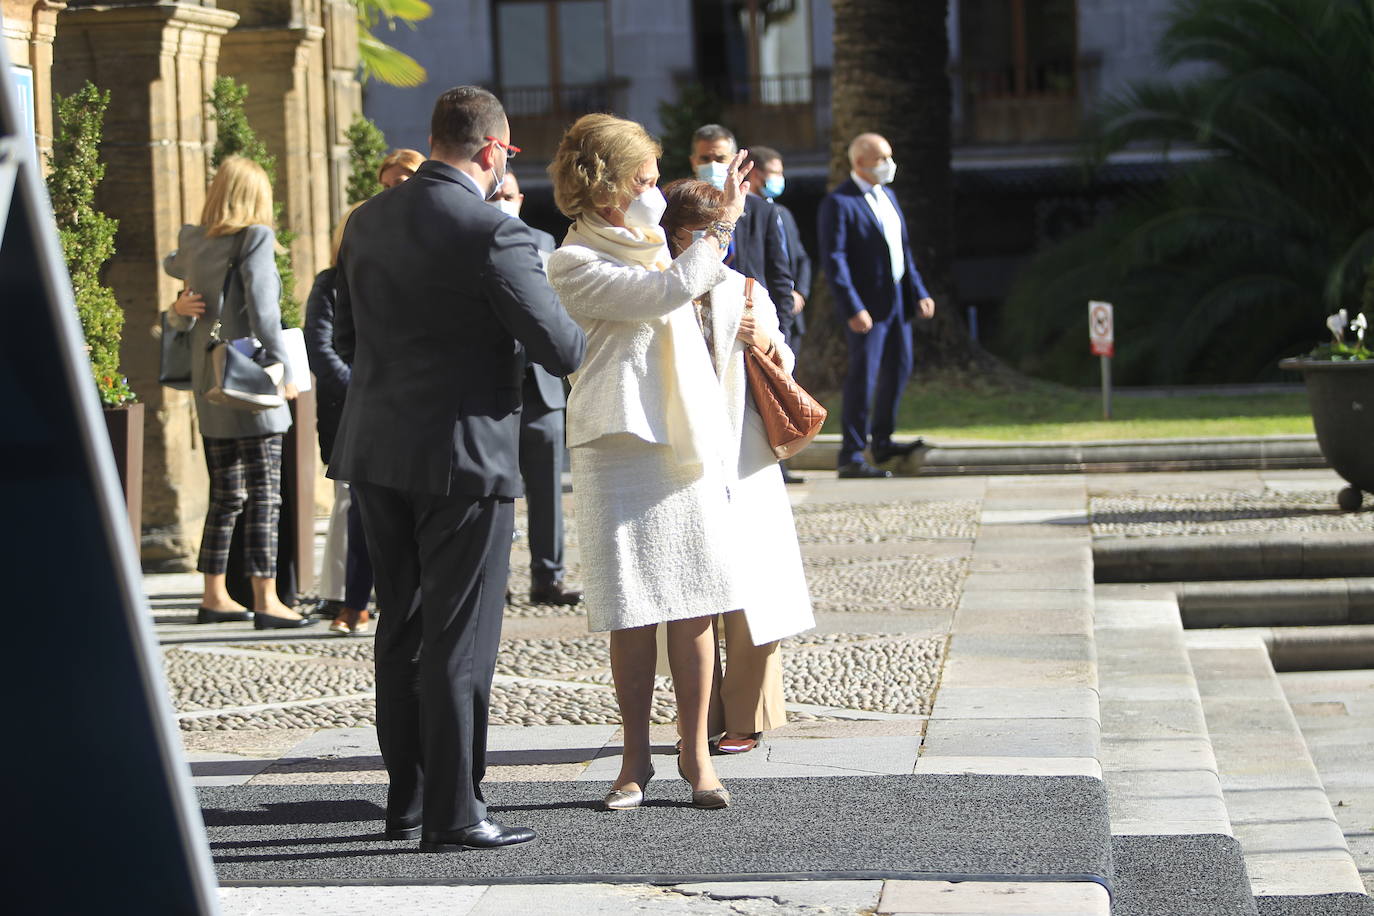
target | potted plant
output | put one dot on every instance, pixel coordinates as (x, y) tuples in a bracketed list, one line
[(88, 240), (1340, 389)]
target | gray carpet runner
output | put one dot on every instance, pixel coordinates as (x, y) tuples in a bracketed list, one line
[(1179, 876), (956, 827), (1317, 905)]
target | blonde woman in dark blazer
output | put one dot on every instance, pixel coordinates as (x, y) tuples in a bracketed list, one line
[(242, 448)]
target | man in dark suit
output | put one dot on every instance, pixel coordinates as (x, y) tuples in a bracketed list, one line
[(767, 181), (879, 293), (440, 299), (541, 448), (757, 248)]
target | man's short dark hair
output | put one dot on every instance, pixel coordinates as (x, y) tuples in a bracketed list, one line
[(711, 133), (463, 117), (760, 156)]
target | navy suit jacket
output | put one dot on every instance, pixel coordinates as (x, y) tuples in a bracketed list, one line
[(855, 256), (439, 301)]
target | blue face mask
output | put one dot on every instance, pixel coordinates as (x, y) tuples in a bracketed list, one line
[(713, 173), (773, 186)]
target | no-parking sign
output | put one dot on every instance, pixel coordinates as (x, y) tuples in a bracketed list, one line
[(1101, 332)]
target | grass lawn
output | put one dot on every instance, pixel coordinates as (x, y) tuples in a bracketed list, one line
[(945, 411)]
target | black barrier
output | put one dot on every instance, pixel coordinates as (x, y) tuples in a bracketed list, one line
[(106, 821)]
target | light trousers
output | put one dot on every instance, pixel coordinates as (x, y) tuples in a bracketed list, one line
[(334, 566), (747, 696)]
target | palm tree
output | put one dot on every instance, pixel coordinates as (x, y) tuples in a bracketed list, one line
[(1236, 259), (891, 76), (390, 65)]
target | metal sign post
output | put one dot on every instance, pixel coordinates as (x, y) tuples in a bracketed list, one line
[(1102, 338)]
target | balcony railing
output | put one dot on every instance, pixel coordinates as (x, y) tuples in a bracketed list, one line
[(1041, 102), (790, 112), (540, 114)]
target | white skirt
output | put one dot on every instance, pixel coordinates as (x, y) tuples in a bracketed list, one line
[(655, 537)]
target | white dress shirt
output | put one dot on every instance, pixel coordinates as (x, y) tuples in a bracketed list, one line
[(887, 218)]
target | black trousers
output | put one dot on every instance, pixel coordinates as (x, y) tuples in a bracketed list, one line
[(541, 467), (441, 564)]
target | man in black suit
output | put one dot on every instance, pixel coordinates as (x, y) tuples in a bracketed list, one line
[(541, 448), (757, 248), (767, 180), (440, 299)]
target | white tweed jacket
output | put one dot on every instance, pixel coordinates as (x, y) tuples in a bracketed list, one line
[(644, 350)]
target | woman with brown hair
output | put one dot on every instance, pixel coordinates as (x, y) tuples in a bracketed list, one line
[(652, 459), (235, 241)]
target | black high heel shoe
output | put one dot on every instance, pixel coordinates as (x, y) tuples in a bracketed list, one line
[(209, 615), (265, 621)]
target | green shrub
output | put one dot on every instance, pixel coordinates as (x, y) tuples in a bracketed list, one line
[(87, 235), (236, 137), (366, 152), (695, 106)]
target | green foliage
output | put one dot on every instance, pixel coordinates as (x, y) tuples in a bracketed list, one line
[(695, 106), (379, 59), (1236, 260), (236, 137), (366, 152), (87, 235)]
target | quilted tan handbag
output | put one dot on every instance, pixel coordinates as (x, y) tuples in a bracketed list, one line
[(791, 416)]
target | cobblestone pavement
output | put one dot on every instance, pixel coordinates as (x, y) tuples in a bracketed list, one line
[(896, 559), (1285, 510)]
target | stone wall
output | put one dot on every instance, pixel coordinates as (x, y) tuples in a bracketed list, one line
[(29, 26)]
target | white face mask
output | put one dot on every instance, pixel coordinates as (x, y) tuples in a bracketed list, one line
[(713, 173), (646, 210), (508, 207), (885, 170)]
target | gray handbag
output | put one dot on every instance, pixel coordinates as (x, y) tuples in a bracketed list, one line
[(242, 377), (174, 368)]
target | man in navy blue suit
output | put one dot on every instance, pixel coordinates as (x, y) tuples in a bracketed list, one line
[(878, 291)]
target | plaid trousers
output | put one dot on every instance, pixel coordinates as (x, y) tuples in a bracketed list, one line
[(246, 470)]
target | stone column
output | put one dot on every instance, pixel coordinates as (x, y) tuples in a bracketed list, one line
[(29, 26), (158, 60), (343, 93), (277, 51)]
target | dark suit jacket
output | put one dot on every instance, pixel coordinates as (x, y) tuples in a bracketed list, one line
[(550, 387), (330, 371), (855, 256), (759, 254), (798, 261), (438, 293)]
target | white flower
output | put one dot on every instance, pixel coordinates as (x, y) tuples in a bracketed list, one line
[(1358, 326), (1338, 323)]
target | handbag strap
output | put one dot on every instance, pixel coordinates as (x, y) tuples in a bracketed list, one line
[(229, 274), (748, 292)]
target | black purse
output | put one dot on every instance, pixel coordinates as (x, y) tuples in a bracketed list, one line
[(242, 377)]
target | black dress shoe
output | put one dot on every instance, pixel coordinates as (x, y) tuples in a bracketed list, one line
[(485, 834), (889, 450), (273, 622), (862, 470), (399, 832), (555, 593), (789, 477), (207, 615)]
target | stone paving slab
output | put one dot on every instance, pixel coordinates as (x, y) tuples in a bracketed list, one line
[(993, 898)]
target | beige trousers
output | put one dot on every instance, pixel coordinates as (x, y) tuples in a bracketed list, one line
[(748, 697)]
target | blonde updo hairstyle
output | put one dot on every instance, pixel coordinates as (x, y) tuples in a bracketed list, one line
[(597, 161)]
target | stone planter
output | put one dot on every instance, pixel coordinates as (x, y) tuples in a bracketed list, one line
[(125, 426), (1341, 395)]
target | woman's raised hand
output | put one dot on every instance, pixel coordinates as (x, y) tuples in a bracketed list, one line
[(735, 191)]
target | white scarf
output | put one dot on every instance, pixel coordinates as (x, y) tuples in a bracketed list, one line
[(694, 430)]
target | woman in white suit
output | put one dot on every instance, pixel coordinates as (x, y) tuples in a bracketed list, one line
[(653, 453)]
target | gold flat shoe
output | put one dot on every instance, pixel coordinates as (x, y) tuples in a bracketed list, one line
[(706, 799), (710, 799), (626, 800), (339, 626)]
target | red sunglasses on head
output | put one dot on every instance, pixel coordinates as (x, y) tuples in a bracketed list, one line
[(511, 151)]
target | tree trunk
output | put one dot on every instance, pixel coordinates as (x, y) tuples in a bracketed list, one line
[(891, 77)]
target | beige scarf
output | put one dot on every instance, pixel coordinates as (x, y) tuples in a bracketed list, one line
[(695, 428)]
